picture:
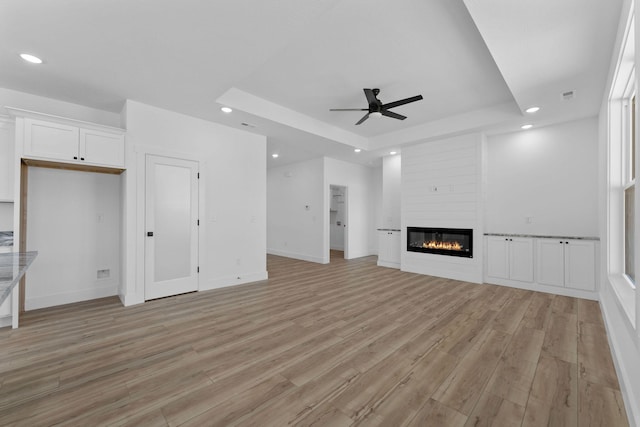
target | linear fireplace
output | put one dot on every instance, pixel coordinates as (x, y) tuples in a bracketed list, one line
[(441, 241)]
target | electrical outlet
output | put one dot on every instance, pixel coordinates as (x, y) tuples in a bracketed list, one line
[(104, 274)]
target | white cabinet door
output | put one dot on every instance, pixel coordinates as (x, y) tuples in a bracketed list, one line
[(51, 140), (6, 161), (389, 248), (579, 271), (551, 262), (498, 257), (393, 242), (521, 259), (101, 148)]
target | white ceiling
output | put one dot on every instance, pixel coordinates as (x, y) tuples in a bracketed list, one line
[(283, 64)]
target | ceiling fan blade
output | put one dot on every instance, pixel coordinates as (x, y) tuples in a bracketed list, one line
[(371, 97), (402, 102), (366, 116), (393, 115), (348, 109)]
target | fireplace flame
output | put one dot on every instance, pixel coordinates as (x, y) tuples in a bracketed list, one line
[(450, 246)]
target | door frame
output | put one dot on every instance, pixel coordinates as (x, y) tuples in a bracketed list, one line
[(133, 250), (194, 260), (328, 221)]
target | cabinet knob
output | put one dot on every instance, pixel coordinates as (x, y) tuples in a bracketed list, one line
[(150, 233), (81, 158), (75, 157)]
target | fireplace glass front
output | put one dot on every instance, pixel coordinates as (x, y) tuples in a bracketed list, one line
[(441, 241)]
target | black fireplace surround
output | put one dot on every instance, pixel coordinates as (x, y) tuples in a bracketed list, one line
[(441, 241)]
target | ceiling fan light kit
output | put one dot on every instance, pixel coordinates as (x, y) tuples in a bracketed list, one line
[(377, 108)]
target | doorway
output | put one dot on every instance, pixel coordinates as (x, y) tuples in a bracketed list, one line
[(337, 222), (171, 220)]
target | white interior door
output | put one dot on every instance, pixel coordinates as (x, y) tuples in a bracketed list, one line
[(171, 250)]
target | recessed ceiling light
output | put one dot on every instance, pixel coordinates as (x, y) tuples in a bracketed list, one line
[(532, 109), (357, 150), (393, 153), (274, 155), (226, 109), (526, 126), (31, 58)]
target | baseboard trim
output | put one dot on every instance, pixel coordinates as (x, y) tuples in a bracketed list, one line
[(223, 282), (388, 264), (294, 255), (556, 290), (70, 297)]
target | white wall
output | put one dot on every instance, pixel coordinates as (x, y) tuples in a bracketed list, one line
[(74, 223), (296, 232), (442, 187), (232, 194), (295, 211), (361, 214), (391, 190), (547, 174)]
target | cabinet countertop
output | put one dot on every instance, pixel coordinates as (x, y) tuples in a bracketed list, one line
[(13, 265), (534, 236)]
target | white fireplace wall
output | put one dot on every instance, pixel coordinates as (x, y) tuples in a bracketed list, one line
[(442, 187)]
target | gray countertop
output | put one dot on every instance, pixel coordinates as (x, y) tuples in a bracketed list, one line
[(13, 265), (541, 236)]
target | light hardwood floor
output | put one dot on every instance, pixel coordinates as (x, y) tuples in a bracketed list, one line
[(343, 344)]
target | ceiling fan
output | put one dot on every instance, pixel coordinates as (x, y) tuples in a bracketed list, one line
[(377, 108)]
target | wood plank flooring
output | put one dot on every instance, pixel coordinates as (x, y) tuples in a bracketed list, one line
[(344, 344)]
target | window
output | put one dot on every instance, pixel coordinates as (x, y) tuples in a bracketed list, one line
[(620, 245), (629, 171)]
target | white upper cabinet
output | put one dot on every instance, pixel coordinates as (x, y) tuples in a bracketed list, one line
[(101, 147), (51, 140), (58, 139), (6, 160)]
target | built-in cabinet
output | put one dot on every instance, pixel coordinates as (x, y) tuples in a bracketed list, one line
[(62, 142), (510, 258), (568, 263), (558, 265), (47, 141), (389, 242)]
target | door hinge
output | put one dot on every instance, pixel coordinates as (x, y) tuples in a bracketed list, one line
[(198, 222), (198, 269), (198, 175)]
